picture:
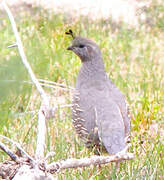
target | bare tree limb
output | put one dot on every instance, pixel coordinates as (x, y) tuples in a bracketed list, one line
[(13, 156), (41, 135), (44, 110), (23, 56), (83, 162), (18, 146)]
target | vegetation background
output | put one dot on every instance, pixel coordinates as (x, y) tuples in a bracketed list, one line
[(134, 60)]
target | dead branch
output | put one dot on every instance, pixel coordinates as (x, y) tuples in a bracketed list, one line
[(45, 103), (13, 156), (55, 87), (8, 169), (83, 162), (45, 83), (41, 135), (57, 84), (19, 147), (13, 45), (23, 56)]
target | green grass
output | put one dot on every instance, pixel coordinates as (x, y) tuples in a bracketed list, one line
[(134, 60)]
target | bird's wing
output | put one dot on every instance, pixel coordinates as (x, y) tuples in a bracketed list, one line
[(119, 98), (84, 117), (110, 124)]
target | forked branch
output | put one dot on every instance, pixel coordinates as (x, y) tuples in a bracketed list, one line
[(45, 102)]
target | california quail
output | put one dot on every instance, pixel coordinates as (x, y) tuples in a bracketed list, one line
[(100, 114)]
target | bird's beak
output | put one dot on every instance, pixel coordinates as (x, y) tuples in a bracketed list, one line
[(70, 48)]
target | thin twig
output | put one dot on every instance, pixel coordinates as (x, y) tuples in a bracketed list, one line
[(58, 86), (13, 156), (49, 154), (24, 113), (55, 83), (18, 146), (66, 105), (55, 87), (13, 45), (37, 110), (13, 80)]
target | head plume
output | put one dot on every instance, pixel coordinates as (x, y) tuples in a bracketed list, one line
[(70, 32)]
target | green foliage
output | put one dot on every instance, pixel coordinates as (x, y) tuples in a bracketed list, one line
[(133, 60)]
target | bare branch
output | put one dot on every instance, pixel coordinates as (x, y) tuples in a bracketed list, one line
[(66, 105), (55, 83), (50, 154), (13, 156), (44, 110), (55, 87), (41, 135), (23, 56), (93, 160), (52, 110), (18, 146), (13, 45)]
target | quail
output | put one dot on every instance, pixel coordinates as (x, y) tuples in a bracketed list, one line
[(100, 114)]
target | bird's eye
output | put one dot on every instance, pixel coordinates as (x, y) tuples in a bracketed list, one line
[(81, 46)]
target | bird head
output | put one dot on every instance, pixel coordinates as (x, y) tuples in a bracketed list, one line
[(86, 49)]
